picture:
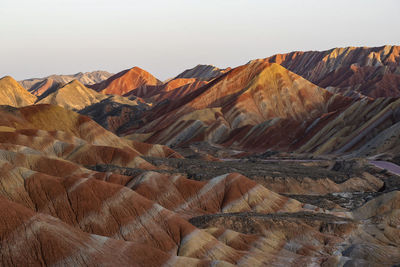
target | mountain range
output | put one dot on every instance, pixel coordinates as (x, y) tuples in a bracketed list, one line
[(289, 160), (37, 86)]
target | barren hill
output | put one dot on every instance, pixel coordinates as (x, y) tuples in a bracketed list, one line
[(13, 94)]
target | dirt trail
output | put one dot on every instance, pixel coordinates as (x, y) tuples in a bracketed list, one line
[(389, 166)]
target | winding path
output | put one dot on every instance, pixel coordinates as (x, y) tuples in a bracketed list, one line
[(389, 166)]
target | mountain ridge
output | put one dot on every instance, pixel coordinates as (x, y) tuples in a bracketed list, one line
[(125, 81), (13, 94), (346, 70), (36, 86), (74, 95)]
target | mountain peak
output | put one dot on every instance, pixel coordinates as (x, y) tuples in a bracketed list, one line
[(40, 86), (126, 81), (202, 72), (13, 94), (73, 95), (8, 79), (74, 83)]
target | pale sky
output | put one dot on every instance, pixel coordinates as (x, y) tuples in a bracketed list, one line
[(165, 37)]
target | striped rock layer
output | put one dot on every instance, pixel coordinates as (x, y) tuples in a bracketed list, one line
[(74, 96), (262, 105), (56, 210), (312, 102), (125, 81), (353, 71), (242, 108)]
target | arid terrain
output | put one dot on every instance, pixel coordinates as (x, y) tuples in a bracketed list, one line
[(291, 160)]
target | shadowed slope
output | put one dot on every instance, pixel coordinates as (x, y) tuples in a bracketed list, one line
[(47, 85)]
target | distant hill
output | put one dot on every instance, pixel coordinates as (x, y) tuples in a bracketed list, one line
[(38, 86), (74, 95), (126, 81), (172, 89), (13, 94), (202, 72)]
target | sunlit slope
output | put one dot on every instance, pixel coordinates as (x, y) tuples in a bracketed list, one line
[(73, 95), (13, 94), (126, 81), (246, 96)]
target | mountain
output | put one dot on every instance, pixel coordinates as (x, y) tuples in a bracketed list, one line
[(13, 94), (74, 95), (118, 113), (253, 98), (352, 71), (38, 86), (202, 72), (126, 81), (45, 86), (172, 89), (367, 127), (263, 105)]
